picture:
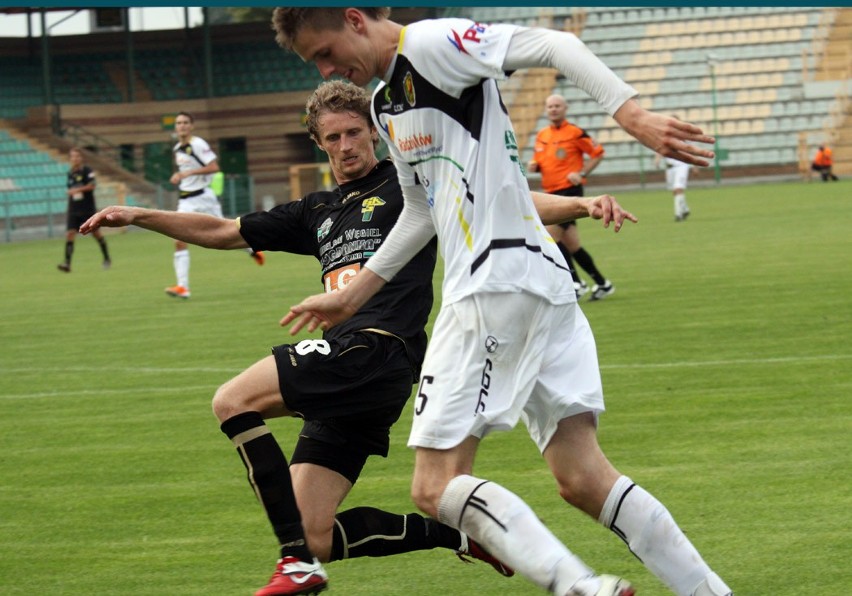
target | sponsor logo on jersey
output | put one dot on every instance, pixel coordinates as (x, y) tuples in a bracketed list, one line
[(408, 88), (414, 142), (368, 206), (471, 35), (323, 230), (338, 278)]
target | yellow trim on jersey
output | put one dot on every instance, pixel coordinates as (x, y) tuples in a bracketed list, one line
[(401, 40), (237, 221)]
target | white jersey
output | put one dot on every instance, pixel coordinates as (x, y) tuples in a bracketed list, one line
[(191, 156), (449, 132)]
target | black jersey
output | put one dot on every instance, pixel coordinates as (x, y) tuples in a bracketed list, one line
[(83, 202), (342, 229)]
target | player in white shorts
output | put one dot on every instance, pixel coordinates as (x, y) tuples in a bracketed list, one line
[(506, 288), (677, 175), (196, 163), (475, 351)]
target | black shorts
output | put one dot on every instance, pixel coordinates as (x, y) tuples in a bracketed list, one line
[(350, 391), (75, 219), (571, 191)]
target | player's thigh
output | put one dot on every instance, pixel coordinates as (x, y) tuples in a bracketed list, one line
[(256, 389), (568, 381), (480, 368)]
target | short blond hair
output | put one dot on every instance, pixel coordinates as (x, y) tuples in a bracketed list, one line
[(336, 96), (288, 21)]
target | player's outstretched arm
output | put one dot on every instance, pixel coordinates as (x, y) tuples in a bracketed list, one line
[(554, 209), (195, 228), (327, 310)]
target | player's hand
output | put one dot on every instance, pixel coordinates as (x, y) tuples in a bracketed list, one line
[(176, 178), (665, 135), (321, 311), (575, 178), (606, 208), (111, 217)]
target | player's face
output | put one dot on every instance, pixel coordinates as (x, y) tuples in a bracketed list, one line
[(183, 127), (347, 138), (345, 53), (556, 109), (76, 159)]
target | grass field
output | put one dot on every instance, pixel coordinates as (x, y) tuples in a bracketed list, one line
[(726, 362)]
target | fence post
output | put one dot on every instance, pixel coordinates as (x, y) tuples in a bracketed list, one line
[(7, 207)]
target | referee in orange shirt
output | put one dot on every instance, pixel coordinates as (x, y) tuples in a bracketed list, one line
[(560, 150)]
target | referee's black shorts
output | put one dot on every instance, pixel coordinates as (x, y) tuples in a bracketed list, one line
[(350, 390), (571, 191), (75, 218)]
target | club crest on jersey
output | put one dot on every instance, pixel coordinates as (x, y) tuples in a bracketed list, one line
[(408, 88), (323, 230), (368, 206), (472, 34)]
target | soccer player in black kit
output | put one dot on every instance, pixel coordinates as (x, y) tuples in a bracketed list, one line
[(351, 385), (81, 206)]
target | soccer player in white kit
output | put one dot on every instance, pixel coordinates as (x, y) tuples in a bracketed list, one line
[(509, 342), (196, 163), (677, 175)]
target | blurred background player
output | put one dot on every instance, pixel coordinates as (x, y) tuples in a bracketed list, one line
[(823, 163), (81, 206), (677, 176), (196, 163), (560, 150)]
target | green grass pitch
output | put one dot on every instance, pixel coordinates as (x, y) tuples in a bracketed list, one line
[(725, 354)]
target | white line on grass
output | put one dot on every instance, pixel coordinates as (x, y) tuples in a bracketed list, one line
[(92, 392), (736, 362), (161, 370)]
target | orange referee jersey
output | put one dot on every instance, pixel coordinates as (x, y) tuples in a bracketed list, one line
[(823, 157), (559, 151)]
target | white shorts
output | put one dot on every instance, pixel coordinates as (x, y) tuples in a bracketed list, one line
[(496, 358), (203, 203), (676, 177)]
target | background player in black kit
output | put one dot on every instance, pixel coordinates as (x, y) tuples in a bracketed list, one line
[(351, 385), (81, 206)]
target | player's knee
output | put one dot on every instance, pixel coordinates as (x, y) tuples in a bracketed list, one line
[(319, 537), (426, 498), (226, 403)]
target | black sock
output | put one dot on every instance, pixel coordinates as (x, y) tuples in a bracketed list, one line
[(369, 532), (69, 251), (269, 476), (585, 261), (102, 242), (567, 254)]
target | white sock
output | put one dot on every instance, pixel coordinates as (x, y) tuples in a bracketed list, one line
[(182, 267), (680, 204), (652, 535), (508, 529)]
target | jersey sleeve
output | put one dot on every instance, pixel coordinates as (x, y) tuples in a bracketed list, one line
[(457, 52), (588, 146), (203, 150), (534, 47), (280, 229)]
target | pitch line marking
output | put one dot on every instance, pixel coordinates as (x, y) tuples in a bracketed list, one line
[(734, 362)]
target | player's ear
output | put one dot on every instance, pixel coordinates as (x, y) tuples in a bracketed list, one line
[(354, 18)]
